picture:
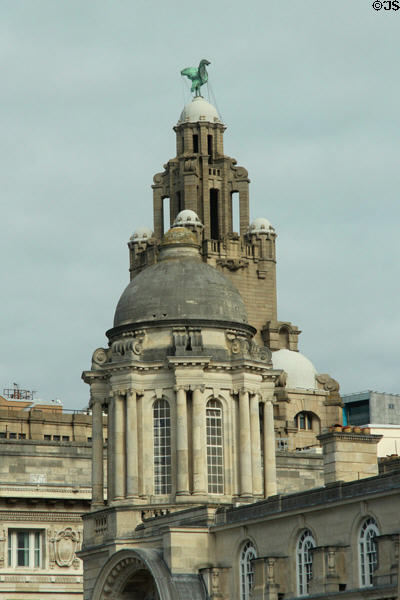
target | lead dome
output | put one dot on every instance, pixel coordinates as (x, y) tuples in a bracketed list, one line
[(180, 287), (199, 110)]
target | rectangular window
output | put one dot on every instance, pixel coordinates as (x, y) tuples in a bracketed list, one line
[(215, 455), (210, 147), (47, 437), (3, 434), (25, 548), (56, 438), (12, 435), (22, 436), (65, 438), (195, 143)]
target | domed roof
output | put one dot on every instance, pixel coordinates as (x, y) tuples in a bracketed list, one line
[(141, 234), (199, 110), (180, 287), (260, 225), (300, 370), (179, 235), (187, 217)]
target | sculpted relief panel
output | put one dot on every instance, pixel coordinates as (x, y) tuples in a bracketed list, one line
[(63, 547)]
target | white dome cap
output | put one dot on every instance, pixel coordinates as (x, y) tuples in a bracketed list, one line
[(261, 225), (300, 370), (199, 110), (187, 217), (141, 234)]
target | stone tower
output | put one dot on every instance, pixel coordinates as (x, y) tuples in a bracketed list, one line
[(203, 180), (188, 378)]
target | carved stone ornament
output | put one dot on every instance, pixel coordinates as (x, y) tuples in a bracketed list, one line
[(329, 384), (65, 544), (281, 381), (233, 264), (189, 166), (241, 346), (158, 178), (128, 348), (100, 357)]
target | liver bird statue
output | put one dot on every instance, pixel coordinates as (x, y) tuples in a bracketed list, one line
[(197, 75)]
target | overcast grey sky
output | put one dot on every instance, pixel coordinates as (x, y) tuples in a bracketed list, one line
[(89, 94)]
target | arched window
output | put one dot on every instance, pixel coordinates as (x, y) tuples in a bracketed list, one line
[(304, 561), (304, 420), (368, 555), (162, 447), (215, 450), (246, 570)]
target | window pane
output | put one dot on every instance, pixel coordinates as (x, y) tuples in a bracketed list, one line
[(162, 447), (215, 458)]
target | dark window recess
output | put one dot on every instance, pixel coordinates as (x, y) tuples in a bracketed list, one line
[(65, 438), (195, 142), (214, 217), (3, 434), (56, 438), (12, 436), (179, 201), (89, 439), (183, 144), (22, 436), (210, 146), (47, 437)]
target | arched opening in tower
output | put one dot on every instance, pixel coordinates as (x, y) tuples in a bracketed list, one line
[(214, 214), (235, 212), (165, 214), (210, 148), (140, 586)]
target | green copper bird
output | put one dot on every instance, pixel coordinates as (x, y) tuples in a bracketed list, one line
[(198, 76)]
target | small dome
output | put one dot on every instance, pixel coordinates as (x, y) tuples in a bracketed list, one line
[(141, 234), (261, 225), (179, 235), (300, 370), (199, 110), (187, 217)]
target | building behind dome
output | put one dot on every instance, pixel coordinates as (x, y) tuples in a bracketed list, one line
[(220, 433)]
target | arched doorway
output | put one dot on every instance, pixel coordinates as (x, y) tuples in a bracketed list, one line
[(140, 586), (138, 574)]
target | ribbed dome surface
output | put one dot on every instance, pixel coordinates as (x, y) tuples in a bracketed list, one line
[(180, 288)]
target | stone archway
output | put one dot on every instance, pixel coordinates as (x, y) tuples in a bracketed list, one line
[(140, 586), (139, 574)]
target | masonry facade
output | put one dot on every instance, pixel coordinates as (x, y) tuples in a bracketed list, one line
[(212, 411)]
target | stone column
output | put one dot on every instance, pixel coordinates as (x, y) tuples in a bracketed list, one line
[(255, 445), (182, 477), (269, 450), (97, 452), (199, 443), (245, 445), (119, 447), (132, 475), (110, 451)]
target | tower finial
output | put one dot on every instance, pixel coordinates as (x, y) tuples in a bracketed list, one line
[(197, 75)]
